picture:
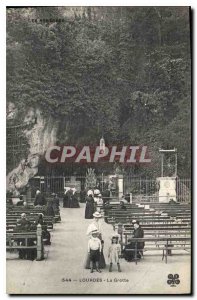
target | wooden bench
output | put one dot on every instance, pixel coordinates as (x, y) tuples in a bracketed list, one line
[(31, 210), (166, 243), (161, 226), (150, 227), (28, 235), (143, 221), (11, 221), (158, 233)]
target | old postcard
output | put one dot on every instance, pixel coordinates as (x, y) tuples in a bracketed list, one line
[(98, 196)]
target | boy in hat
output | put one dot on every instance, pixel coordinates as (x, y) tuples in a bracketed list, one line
[(94, 250), (114, 252)]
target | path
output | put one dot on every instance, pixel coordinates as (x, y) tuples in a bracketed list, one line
[(65, 262)]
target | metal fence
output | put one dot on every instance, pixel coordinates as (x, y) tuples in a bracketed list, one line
[(148, 189), (183, 190), (142, 189)]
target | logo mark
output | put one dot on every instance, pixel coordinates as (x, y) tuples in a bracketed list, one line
[(173, 280)]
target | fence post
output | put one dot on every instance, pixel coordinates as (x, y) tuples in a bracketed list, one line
[(40, 255)]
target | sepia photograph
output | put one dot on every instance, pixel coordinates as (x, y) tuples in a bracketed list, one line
[(98, 150)]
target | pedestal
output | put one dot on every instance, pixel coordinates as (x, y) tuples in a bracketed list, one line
[(167, 189), (120, 186)]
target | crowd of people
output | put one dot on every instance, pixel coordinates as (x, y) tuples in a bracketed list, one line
[(95, 257), (94, 199)]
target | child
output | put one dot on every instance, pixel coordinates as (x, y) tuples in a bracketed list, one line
[(114, 252), (94, 250)]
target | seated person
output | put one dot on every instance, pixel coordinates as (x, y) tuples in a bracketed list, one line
[(45, 233), (122, 205), (24, 225), (50, 209), (124, 200), (56, 202), (127, 197), (21, 201), (137, 233), (40, 199)]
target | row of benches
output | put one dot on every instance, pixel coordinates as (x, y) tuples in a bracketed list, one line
[(33, 238), (165, 244), (165, 226)]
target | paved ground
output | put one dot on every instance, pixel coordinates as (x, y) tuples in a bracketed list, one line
[(62, 272)]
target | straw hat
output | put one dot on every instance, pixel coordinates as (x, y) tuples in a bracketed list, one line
[(96, 192), (95, 231), (115, 235), (97, 215)]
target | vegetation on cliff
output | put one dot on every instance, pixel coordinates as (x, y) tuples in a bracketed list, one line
[(119, 72)]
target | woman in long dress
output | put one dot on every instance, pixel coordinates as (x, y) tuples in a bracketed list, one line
[(66, 197), (90, 208), (74, 203), (96, 225)]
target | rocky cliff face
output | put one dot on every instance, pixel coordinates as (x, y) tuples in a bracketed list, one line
[(41, 133)]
